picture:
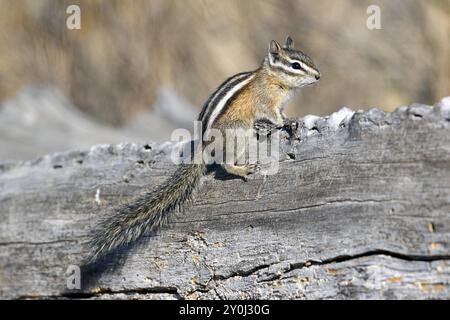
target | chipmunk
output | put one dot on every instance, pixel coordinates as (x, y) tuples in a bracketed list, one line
[(239, 102)]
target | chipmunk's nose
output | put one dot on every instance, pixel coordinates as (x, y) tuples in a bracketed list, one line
[(318, 76)]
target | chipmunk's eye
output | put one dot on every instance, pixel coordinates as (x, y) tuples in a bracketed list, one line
[(296, 66)]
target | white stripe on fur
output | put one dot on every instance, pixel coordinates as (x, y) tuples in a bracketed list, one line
[(222, 102)]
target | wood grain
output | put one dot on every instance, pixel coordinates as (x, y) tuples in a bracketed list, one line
[(359, 209)]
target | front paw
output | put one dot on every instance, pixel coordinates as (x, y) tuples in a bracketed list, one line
[(290, 124), (264, 127)]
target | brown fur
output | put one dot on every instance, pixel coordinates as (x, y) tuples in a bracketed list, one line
[(260, 98)]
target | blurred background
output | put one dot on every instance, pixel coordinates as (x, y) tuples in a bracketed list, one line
[(137, 69)]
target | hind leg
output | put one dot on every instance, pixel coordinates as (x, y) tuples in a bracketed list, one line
[(241, 167), (241, 170)]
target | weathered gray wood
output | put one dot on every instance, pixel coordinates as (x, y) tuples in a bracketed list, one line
[(359, 209)]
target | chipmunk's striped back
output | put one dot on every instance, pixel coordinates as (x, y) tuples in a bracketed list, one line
[(217, 102)]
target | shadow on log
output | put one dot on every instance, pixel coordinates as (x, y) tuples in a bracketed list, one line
[(360, 208)]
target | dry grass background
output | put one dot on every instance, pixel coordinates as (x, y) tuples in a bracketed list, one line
[(128, 49)]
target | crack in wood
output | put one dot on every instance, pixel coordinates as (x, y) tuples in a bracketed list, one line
[(107, 291), (333, 260)]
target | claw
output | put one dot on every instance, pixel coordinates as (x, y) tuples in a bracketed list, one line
[(253, 168), (291, 127), (264, 127)]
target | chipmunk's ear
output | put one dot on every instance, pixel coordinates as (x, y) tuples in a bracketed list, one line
[(289, 43), (274, 48)]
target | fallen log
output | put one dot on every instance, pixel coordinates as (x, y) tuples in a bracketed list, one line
[(360, 208)]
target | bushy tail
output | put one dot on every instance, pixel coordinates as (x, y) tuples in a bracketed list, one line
[(146, 213)]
